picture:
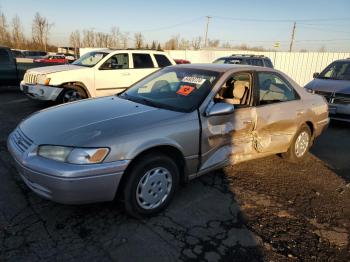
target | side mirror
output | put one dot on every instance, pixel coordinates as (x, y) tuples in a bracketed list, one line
[(315, 75), (220, 109)]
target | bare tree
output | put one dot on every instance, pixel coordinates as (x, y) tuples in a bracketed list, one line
[(74, 40), (213, 43), (184, 44), (40, 31), (125, 40), (322, 49), (115, 38), (18, 38), (138, 40), (102, 39), (5, 38), (88, 38), (196, 43), (172, 43)]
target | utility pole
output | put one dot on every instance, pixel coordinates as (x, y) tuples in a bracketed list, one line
[(292, 40), (206, 32)]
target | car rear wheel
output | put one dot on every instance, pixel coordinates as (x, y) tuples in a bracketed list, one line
[(72, 93), (300, 145), (150, 185)]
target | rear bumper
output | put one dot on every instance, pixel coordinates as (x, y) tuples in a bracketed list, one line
[(67, 183), (41, 92)]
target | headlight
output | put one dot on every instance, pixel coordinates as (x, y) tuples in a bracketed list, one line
[(73, 155), (43, 80), (310, 90)]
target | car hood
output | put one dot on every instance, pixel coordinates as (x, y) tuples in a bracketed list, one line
[(54, 69), (329, 85), (92, 122)]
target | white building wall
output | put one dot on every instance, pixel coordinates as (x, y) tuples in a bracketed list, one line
[(298, 65)]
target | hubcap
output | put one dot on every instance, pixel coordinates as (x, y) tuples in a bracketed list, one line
[(154, 188), (301, 144), (72, 95)]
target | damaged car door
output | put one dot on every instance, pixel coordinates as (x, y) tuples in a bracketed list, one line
[(228, 138), (279, 112)]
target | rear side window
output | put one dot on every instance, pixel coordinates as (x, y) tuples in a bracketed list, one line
[(142, 61), (162, 60), (274, 89), (4, 56)]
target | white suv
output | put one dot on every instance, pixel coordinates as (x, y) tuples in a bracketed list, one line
[(98, 73)]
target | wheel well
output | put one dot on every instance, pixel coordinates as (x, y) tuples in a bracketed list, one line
[(79, 84), (311, 126), (169, 151)]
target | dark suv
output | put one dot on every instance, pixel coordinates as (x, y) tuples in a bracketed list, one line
[(254, 60)]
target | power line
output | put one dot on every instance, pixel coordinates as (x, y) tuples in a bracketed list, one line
[(282, 20), (324, 29)]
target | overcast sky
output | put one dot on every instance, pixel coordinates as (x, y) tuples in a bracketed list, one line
[(257, 23)]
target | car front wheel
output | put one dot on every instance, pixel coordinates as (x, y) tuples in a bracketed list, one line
[(72, 93), (150, 186), (300, 145)]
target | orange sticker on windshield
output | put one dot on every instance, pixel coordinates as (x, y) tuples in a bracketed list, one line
[(185, 90)]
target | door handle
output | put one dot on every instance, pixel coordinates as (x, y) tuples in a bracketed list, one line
[(247, 122), (125, 74)]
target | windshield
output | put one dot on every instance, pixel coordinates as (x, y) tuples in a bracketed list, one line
[(337, 71), (234, 61), (90, 59), (178, 89)]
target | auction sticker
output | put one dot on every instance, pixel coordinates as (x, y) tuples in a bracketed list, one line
[(193, 80), (185, 90)]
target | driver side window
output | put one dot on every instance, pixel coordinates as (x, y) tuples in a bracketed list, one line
[(236, 90), (118, 61)]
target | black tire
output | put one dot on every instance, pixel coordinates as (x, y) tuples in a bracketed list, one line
[(291, 154), (137, 172), (71, 94)]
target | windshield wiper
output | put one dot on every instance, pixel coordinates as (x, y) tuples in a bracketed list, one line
[(138, 99)]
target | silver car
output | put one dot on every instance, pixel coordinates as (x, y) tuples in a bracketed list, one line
[(333, 83), (176, 124)]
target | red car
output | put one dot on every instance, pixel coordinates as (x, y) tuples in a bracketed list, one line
[(56, 59), (182, 61)]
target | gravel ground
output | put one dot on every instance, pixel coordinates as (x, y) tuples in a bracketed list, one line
[(262, 210)]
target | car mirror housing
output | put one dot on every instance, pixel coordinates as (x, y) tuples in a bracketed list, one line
[(315, 75), (219, 109)]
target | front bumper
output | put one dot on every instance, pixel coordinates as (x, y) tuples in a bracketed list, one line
[(66, 183), (41, 92), (339, 112)]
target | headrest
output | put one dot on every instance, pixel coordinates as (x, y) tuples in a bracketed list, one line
[(239, 89)]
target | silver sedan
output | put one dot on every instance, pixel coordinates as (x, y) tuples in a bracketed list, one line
[(174, 125)]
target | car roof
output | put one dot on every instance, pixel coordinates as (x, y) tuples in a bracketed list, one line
[(342, 60), (222, 68), (244, 56), (107, 50)]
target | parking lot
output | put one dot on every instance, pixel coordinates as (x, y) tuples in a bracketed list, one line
[(262, 210)]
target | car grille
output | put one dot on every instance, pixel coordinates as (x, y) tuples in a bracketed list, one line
[(335, 98), (21, 141), (341, 99), (30, 78)]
